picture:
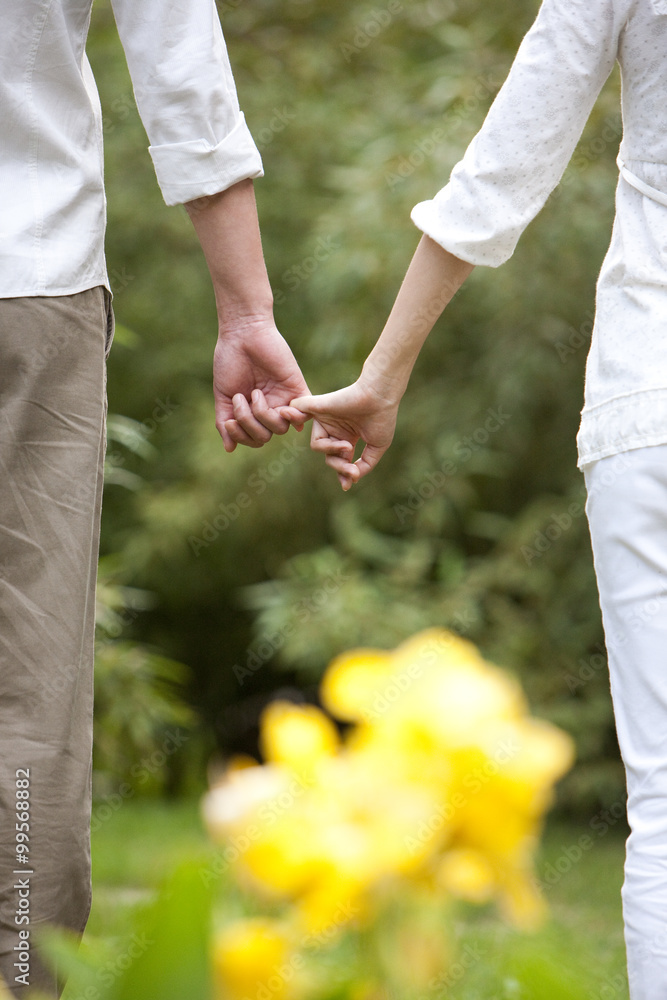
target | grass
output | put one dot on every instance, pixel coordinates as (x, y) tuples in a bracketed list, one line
[(137, 845)]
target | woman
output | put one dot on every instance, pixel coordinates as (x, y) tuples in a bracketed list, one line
[(501, 183)]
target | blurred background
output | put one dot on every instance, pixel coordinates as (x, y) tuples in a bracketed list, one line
[(253, 569), (229, 580)]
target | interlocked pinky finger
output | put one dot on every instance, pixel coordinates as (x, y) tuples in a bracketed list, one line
[(332, 446), (239, 435), (343, 468), (256, 431), (322, 442), (269, 417)]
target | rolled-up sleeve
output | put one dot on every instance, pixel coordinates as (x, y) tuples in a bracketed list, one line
[(520, 153), (183, 85)]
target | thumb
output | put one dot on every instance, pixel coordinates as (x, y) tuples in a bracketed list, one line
[(369, 458), (294, 415), (322, 403)]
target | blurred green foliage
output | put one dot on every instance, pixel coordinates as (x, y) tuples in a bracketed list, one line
[(149, 849), (261, 568), (141, 719)]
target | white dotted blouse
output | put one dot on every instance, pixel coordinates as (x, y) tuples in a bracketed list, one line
[(517, 159)]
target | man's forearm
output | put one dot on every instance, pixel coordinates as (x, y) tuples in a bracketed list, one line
[(228, 230), (431, 281)]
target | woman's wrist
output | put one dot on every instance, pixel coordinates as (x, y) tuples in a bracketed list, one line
[(387, 384)]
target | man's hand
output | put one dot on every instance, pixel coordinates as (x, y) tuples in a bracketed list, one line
[(254, 371), (255, 375), (342, 418)]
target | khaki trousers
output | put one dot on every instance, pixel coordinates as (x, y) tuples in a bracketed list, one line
[(52, 439)]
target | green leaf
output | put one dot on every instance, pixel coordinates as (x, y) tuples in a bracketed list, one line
[(172, 940)]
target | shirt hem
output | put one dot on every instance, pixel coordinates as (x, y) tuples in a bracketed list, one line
[(32, 292), (624, 423)]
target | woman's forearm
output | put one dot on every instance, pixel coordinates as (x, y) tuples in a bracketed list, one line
[(431, 281)]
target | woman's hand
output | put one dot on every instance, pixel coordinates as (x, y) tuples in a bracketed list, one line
[(367, 409), (360, 411)]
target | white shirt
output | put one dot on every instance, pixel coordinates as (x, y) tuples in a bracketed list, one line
[(518, 157), (52, 219)]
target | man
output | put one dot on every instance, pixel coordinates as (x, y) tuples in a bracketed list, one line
[(56, 327)]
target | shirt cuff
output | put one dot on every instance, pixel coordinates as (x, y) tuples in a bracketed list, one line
[(188, 170), (458, 237)]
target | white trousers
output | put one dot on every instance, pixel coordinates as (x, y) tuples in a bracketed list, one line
[(627, 515)]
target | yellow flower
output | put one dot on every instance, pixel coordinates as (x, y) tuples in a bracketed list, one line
[(284, 855), (468, 875), (436, 647), (435, 683), (239, 761), (442, 780), (296, 735), (544, 754), (252, 954), (235, 800), (353, 680), (456, 703), (329, 907), (521, 903)]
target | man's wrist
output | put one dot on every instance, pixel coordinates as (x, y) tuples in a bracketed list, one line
[(228, 230), (245, 323), (236, 309)]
